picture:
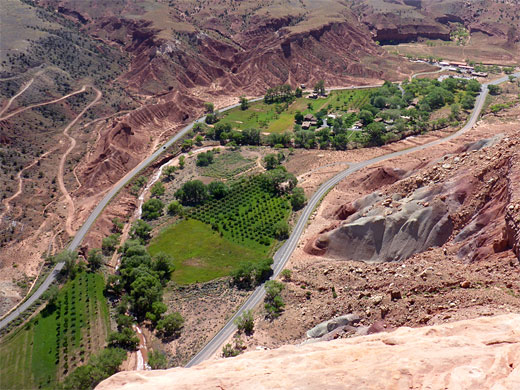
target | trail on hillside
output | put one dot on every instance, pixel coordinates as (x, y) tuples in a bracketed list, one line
[(7, 201), (20, 110), (61, 168), (22, 90)]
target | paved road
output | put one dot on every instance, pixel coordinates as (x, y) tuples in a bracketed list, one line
[(80, 234), (280, 257), (284, 253)]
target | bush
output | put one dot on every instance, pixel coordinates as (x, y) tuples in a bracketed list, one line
[(141, 231), (494, 89), (100, 366), (170, 326), (298, 198), (94, 259), (109, 244), (204, 159), (281, 230), (271, 161), (125, 339), (273, 301), (192, 193), (218, 189), (157, 360), (286, 274), (157, 189), (175, 208), (250, 274), (245, 322), (152, 209)]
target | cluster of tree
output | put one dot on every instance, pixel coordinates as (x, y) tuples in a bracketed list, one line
[(195, 192), (272, 160), (278, 181), (279, 94), (205, 159), (252, 274), (224, 133), (140, 286), (152, 209), (99, 367)]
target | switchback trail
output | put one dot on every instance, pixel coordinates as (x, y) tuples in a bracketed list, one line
[(280, 257), (61, 168), (20, 110)]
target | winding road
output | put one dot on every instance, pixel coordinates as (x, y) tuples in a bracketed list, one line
[(282, 255)]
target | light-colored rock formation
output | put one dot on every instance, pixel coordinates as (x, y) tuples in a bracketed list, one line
[(477, 354)]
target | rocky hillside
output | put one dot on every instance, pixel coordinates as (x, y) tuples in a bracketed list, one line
[(483, 353)]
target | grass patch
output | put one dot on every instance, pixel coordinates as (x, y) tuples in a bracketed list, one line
[(227, 165), (201, 254), (40, 353)]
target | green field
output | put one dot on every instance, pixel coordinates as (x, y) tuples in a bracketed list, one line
[(227, 165), (220, 234), (264, 116), (47, 348), (200, 253)]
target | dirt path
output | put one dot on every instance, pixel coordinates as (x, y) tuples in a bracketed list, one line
[(20, 110), (7, 201), (61, 168), (10, 101)]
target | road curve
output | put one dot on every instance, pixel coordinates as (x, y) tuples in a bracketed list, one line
[(281, 256), (80, 234), (284, 253)]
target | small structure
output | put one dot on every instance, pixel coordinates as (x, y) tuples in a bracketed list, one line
[(302, 86), (312, 96), (309, 117), (466, 69), (444, 63), (378, 119), (479, 74), (306, 125)]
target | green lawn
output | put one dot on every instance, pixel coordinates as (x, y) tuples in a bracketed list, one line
[(34, 356), (200, 253), (264, 116)]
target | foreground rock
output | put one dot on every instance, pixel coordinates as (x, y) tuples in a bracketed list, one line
[(477, 354)]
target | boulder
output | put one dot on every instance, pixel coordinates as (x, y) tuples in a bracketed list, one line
[(328, 326)]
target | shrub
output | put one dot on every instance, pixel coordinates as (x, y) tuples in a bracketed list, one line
[(157, 189), (245, 322), (125, 339), (175, 208), (281, 230), (141, 231), (152, 209), (109, 244), (273, 301), (298, 198), (94, 259), (286, 274), (271, 161), (204, 159), (100, 366), (192, 193), (170, 326), (218, 189), (157, 360)]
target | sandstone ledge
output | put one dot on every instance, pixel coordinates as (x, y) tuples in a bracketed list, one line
[(483, 353)]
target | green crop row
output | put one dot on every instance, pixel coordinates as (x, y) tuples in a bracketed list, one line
[(64, 331), (248, 214)]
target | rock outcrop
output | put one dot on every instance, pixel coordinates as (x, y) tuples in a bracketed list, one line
[(477, 354)]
